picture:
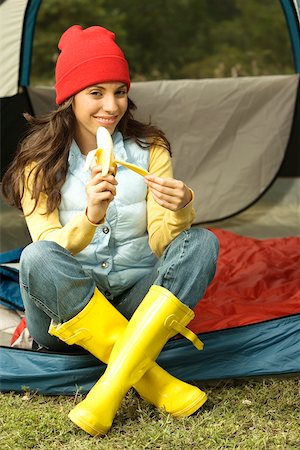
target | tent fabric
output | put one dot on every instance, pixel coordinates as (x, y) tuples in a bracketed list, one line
[(228, 136), (13, 125), (297, 8), (276, 214), (10, 295), (291, 11), (268, 348), (9, 289), (18, 18), (12, 13), (27, 39), (228, 140)]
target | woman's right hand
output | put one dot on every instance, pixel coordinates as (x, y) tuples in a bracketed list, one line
[(100, 191)]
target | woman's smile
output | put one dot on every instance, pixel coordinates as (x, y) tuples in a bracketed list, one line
[(106, 120)]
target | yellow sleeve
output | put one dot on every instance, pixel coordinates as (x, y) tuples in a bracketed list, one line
[(74, 236), (165, 225)]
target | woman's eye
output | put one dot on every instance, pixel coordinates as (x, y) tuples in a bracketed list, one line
[(121, 93), (95, 93)]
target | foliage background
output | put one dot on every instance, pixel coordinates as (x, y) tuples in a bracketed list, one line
[(173, 39)]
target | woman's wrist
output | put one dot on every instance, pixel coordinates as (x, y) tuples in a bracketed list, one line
[(94, 220)]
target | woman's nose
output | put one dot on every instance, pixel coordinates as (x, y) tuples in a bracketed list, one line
[(109, 104)]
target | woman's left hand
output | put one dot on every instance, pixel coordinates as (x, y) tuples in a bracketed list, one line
[(168, 192)]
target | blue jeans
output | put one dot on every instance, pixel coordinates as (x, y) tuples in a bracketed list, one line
[(55, 286)]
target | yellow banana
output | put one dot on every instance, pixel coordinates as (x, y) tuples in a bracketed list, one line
[(104, 156), (133, 167), (104, 153)]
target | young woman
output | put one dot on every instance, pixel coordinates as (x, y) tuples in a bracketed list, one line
[(114, 266)]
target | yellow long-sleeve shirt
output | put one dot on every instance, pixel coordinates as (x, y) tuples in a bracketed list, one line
[(163, 225)]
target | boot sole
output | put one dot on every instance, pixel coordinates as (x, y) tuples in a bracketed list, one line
[(191, 407), (84, 425)]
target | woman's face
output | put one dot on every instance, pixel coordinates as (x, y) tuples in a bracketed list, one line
[(103, 105)]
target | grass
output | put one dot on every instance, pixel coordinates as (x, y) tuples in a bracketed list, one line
[(249, 414)]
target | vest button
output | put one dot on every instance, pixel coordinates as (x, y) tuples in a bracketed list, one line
[(104, 265), (105, 230)]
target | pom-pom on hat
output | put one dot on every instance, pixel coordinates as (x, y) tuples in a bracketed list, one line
[(88, 57)]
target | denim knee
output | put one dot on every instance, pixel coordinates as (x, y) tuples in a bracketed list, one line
[(203, 238), (54, 280), (204, 252), (188, 265), (199, 241), (34, 258)]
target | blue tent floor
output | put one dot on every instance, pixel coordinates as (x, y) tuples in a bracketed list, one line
[(262, 349)]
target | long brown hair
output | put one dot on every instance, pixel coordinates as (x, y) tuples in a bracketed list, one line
[(47, 145)]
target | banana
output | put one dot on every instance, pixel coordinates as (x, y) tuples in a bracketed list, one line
[(104, 153), (104, 156)]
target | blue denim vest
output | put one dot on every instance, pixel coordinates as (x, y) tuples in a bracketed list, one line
[(119, 254)]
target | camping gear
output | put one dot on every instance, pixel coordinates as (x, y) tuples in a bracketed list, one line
[(242, 138)]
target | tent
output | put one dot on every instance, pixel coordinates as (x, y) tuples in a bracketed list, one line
[(236, 143)]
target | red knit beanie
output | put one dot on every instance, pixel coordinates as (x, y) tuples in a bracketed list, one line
[(88, 57)]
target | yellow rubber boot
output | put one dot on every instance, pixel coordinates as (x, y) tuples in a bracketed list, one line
[(159, 317), (97, 327)]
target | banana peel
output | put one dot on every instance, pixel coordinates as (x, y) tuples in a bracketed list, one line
[(103, 155)]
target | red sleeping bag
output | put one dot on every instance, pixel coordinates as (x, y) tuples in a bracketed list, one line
[(256, 280)]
